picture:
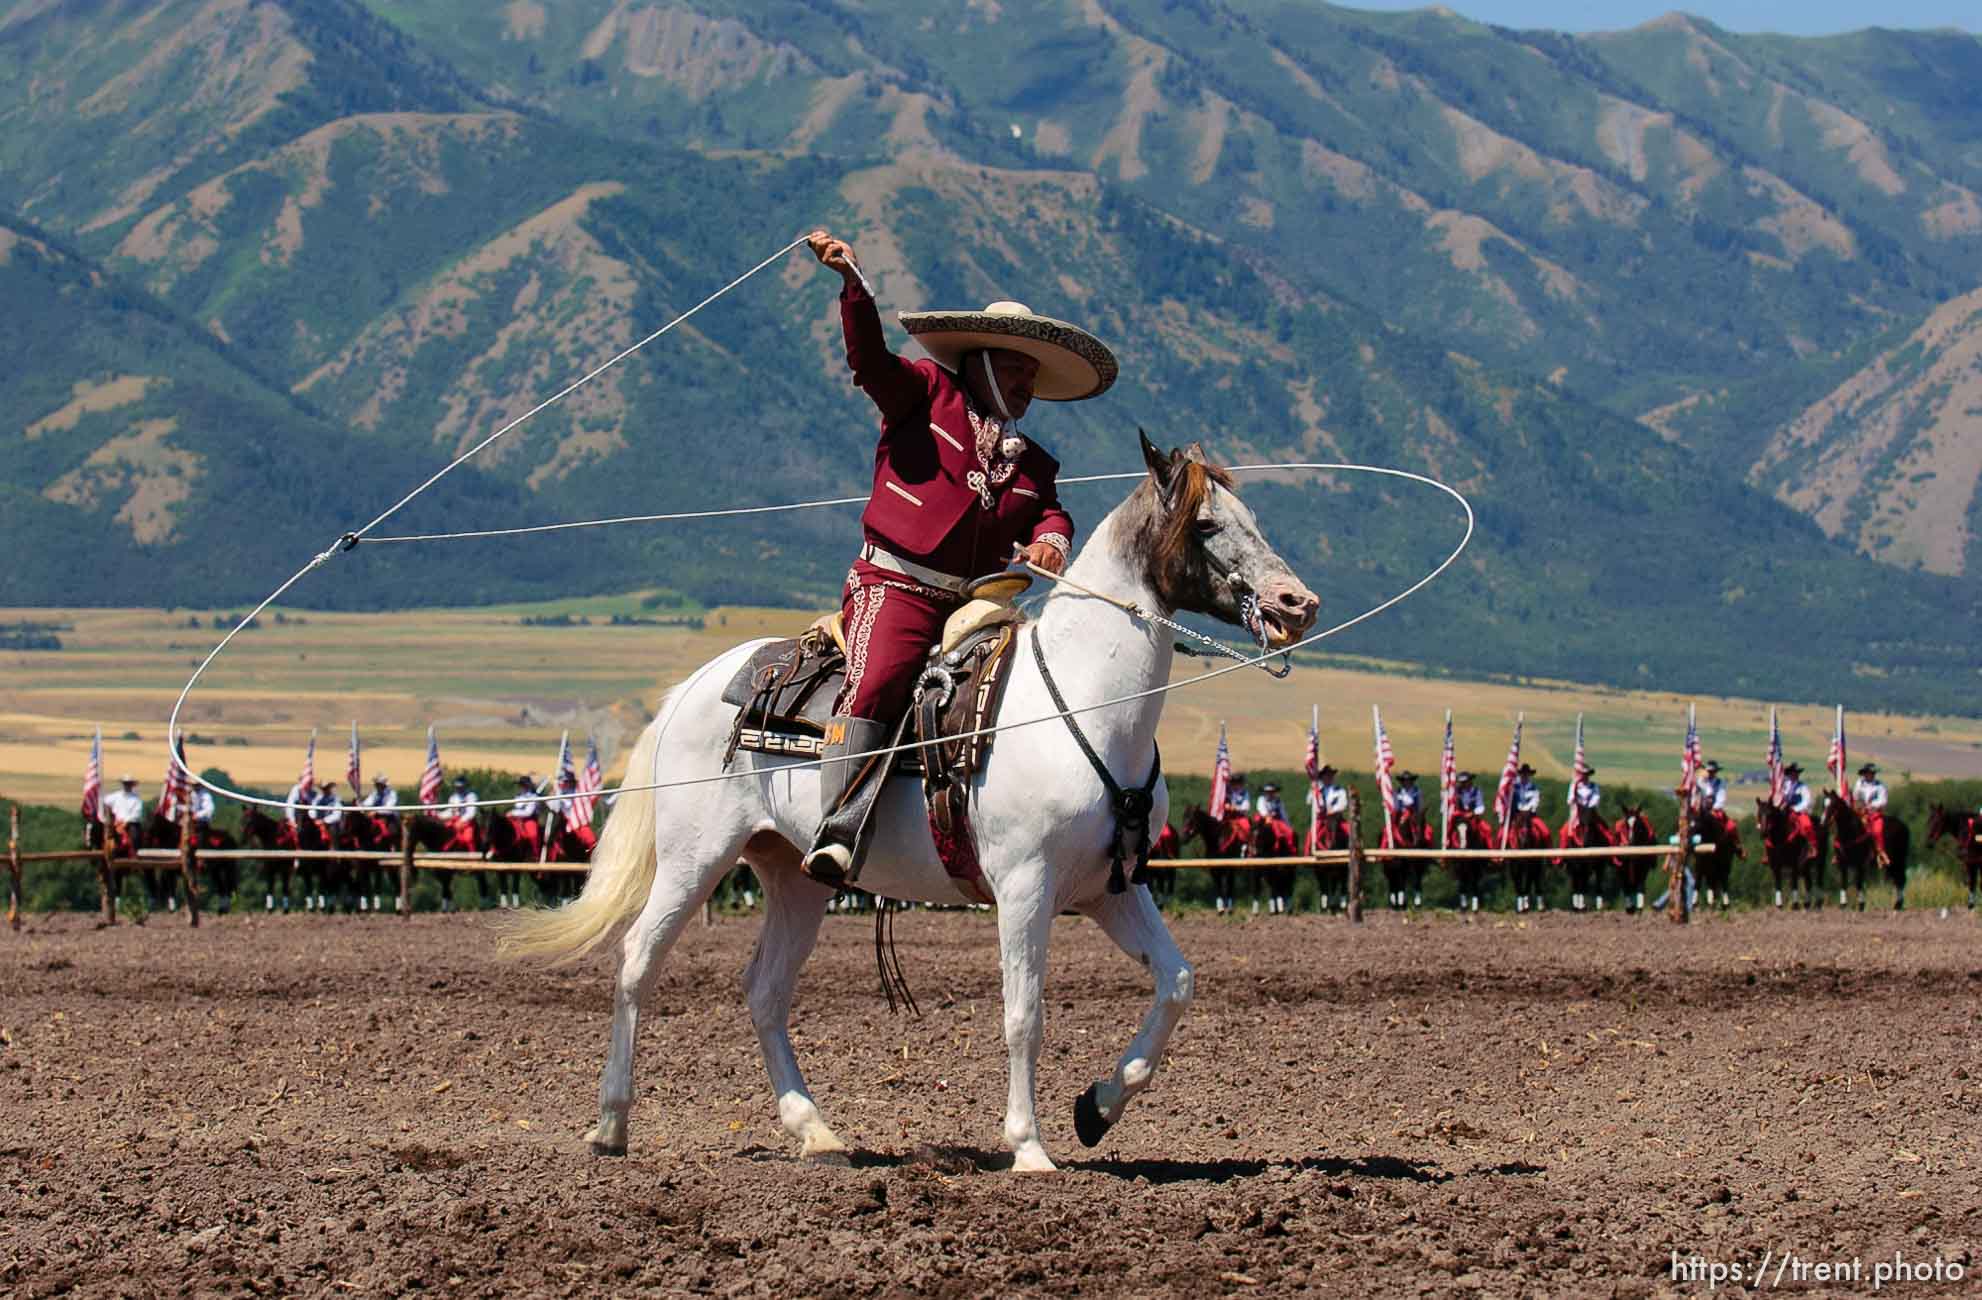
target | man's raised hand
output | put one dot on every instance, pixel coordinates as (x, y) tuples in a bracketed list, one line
[(834, 253)]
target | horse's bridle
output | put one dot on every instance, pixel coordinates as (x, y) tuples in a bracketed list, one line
[(1249, 616)]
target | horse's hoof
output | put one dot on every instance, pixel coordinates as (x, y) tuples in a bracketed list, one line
[(1090, 1126), (608, 1149)]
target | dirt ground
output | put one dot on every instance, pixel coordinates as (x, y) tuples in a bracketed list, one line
[(333, 1106)]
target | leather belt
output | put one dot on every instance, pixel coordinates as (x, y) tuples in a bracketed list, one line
[(881, 558)]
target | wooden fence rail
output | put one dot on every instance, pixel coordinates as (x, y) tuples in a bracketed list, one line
[(1335, 856)]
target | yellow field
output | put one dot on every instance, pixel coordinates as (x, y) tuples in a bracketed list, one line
[(500, 693)]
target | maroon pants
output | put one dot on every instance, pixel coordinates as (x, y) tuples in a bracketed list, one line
[(891, 623)]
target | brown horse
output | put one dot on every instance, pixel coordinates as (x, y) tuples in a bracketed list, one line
[(125, 839), (222, 875), (563, 843), (1586, 829), (1717, 843), (1965, 828), (1634, 829), (1331, 831), (1468, 837), (1530, 875), (505, 844), (1272, 837), (1795, 849), (1404, 878), (1858, 851), (1222, 838)]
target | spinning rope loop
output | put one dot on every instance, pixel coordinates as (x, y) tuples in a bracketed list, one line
[(350, 540)]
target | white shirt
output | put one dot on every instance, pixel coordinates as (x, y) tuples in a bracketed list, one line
[(1713, 793), (1527, 797), (124, 805), (298, 794), (1795, 795), (1469, 798), (1270, 806), (525, 807), (1585, 794), (461, 805), (1238, 800), (202, 801), (1334, 800), (380, 797), (1870, 794), (330, 809), (1408, 798)]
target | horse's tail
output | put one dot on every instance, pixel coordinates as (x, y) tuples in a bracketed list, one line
[(622, 872)]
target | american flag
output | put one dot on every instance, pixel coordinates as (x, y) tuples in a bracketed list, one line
[(308, 778), (174, 790), (1580, 768), (1448, 773), (1775, 759), (93, 780), (1221, 775), (430, 775), (1386, 790), (1836, 761), (590, 781), (1689, 760), (1503, 796), (354, 769)]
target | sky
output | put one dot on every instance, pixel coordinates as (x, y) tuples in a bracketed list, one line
[(1795, 17)]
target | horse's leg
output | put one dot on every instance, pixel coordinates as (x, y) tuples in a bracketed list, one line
[(1025, 920), (794, 907), (675, 899), (1137, 928)]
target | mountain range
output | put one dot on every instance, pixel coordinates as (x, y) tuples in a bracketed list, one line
[(1693, 318)]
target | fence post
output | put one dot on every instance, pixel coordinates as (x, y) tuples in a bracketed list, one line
[(1677, 909), (106, 875), (14, 866), (1355, 856), (405, 864), (189, 860)]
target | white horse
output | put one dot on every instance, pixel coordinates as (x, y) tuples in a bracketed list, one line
[(1044, 822)]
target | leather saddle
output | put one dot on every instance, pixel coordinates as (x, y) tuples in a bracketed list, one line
[(785, 692)]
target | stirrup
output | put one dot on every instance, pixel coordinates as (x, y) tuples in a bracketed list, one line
[(824, 865)]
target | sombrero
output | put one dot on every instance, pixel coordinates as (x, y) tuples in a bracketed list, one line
[(1073, 364)]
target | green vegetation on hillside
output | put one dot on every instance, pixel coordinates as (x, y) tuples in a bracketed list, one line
[(262, 311)]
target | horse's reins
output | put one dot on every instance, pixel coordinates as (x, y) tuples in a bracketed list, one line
[(1249, 615)]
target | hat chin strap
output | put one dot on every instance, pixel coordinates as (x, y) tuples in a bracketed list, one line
[(997, 394)]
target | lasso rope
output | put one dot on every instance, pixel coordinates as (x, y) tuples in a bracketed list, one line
[(351, 539)]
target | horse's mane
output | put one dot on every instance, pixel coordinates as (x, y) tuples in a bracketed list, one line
[(1164, 531)]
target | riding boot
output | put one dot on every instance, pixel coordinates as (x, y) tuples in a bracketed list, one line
[(847, 791)]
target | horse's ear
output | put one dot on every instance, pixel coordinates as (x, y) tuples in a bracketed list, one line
[(1195, 451), (1162, 468)]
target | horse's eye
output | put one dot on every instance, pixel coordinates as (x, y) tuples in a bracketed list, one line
[(1207, 527)]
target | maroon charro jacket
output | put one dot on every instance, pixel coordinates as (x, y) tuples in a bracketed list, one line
[(922, 508)]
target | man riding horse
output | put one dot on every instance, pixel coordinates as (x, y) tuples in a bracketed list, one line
[(957, 490), (1710, 800), (1584, 827), (1869, 797), (124, 814)]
